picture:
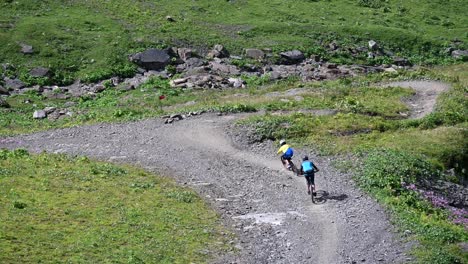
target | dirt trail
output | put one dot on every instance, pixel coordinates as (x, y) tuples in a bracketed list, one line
[(267, 207), (425, 97), (264, 204)]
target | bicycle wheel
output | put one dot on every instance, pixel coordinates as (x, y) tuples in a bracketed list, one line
[(312, 197)]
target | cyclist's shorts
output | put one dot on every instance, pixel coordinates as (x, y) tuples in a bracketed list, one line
[(310, 177), (287, 157)]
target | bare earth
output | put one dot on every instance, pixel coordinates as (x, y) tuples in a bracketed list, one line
[(265, 205)]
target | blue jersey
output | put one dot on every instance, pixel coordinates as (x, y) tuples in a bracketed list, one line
[(307, 166)]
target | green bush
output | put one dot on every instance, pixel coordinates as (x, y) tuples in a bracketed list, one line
[(386, 168)]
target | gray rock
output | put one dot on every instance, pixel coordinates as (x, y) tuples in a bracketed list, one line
[(254, 54), (152, 59), (39, 114), (224, 68), (13, 84), (185, 53), (26, 49), (292, 57), (236, 82), (170, 19), (69, 104), (39, 72), (373, 45), (401, 61), (460, 54), (4, 103), (219, 51), (49, 110)]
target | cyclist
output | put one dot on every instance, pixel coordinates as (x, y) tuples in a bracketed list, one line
[(287, 153), (308, 169)]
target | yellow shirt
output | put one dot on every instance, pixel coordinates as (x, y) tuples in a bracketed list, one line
[(283, 148)]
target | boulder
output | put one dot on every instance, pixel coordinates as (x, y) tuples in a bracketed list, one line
[(39, 114), (152, 59), (39, 72), (224, 68), (460, 54), (254, 54), (4, 103), (49, 109), (219, 51), (373, 45), (26, 49), (236, 83), (185, 53), (14, 84), (292, 57)]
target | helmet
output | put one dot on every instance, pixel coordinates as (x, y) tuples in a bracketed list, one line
[(282, 142), (305, 158)]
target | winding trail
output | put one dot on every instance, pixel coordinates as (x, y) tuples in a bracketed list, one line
[(263, 204)]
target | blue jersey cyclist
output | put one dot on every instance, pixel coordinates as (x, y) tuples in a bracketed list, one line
[(308, 169), (287, 151)]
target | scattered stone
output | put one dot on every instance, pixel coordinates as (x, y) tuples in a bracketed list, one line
[(401, 61), (49, 110), (219, 51), (178, 116), (14, 84), (152, 59), (98, 88), (373, 45), (26, 49), (292, 57), (39, 114), (224, 68), (460, 54), (254, 54), (39, 72), (170, 19), (185, 53), (236, 83)]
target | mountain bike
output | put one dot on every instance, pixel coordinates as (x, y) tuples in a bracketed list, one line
[(292, 167)]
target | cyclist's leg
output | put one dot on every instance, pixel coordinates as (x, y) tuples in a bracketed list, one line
[(308, 184), (312, 181)]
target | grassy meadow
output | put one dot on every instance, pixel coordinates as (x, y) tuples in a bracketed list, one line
[(90, 40), (55, 208)]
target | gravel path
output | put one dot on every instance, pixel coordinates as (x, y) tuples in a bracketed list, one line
[(265, 205), (424, 99)]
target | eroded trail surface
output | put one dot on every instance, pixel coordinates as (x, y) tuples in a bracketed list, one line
[(257, 198), (425, 95)]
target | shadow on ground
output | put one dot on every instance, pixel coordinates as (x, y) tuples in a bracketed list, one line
[(323, 196)]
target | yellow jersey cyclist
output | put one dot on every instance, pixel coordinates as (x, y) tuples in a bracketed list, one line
[(308, 169), (287, 153)]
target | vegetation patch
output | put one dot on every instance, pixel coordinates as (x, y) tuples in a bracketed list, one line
[(56, 208), (390, 176)]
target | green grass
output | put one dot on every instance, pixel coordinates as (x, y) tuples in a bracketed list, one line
[(91, 40), (55, 208)]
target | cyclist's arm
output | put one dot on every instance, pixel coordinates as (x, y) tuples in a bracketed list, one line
[(315, 168)]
